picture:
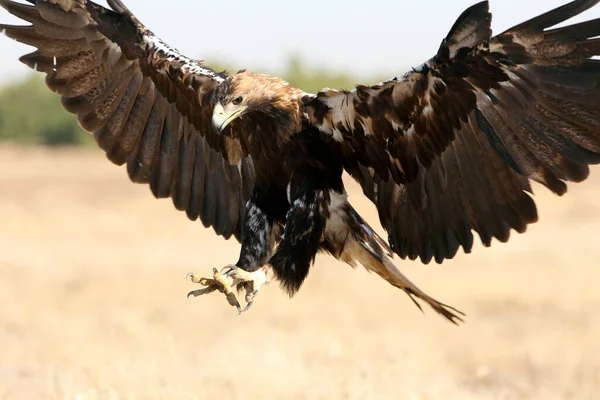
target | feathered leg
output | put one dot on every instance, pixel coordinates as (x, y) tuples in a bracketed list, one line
[(305, 224), (304, 227), (248, 273)]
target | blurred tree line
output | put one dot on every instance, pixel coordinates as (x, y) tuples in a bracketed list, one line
[(31, 114)]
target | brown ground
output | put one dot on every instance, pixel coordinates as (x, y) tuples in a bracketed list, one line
[(92, 305)]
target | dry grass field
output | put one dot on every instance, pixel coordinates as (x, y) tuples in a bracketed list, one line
[(93, 305)]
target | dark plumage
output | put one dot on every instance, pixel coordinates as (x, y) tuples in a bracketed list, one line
[(445, 150)]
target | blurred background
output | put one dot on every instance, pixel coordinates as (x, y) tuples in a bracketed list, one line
[(92, 287)]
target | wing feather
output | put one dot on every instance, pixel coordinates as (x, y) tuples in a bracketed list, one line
[(185, 169), (406, 122), (469, 129), (147, 105), (196, 201)]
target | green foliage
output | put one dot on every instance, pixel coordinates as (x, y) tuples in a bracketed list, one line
[(314, 80), (311, 80), (32, 114)]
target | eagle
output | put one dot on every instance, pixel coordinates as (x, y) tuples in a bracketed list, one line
[(447, 150)]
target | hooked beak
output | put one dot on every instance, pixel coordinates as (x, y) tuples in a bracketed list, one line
[(222, 116)]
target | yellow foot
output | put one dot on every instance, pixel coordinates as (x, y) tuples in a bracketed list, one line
[(250, 281), (232, 278), (217, 282)]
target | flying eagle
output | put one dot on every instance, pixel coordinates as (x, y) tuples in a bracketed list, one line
[(446, 149)]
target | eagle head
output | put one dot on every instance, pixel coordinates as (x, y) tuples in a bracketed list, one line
[(257, 97)]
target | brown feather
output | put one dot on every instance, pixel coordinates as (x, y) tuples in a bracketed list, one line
[(471, 128), (145, 107)]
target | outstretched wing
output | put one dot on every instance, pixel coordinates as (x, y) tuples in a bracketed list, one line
[(401, 125), (146, 104), (469, 129)]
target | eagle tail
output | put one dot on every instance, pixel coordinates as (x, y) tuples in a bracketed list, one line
[(366, 247)]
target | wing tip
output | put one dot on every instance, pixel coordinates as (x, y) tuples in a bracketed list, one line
[(471, 28), (555, 16)]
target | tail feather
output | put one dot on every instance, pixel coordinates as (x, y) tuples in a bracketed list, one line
[(366, 247), (361, 252)]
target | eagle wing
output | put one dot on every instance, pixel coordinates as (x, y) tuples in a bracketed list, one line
[(146, 104), (451, 147)]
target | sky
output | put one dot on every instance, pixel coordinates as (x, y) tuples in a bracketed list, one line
[(366, 38)]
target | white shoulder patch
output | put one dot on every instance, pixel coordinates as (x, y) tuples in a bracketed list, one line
[(153, 43)]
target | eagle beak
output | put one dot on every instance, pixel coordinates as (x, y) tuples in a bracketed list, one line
[(222, 116)]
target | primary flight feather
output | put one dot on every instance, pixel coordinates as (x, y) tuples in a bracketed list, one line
[(445, 150)]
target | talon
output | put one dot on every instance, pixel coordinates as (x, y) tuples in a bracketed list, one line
[(250, 296), (247, 307), (229, 270), (232, 278), (193, 277)]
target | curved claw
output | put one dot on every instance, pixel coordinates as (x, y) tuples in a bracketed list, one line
[(248, 305), (251, 295), (228, 270), (227, 280)]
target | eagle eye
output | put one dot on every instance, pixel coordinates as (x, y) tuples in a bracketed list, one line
[(237, 100)]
